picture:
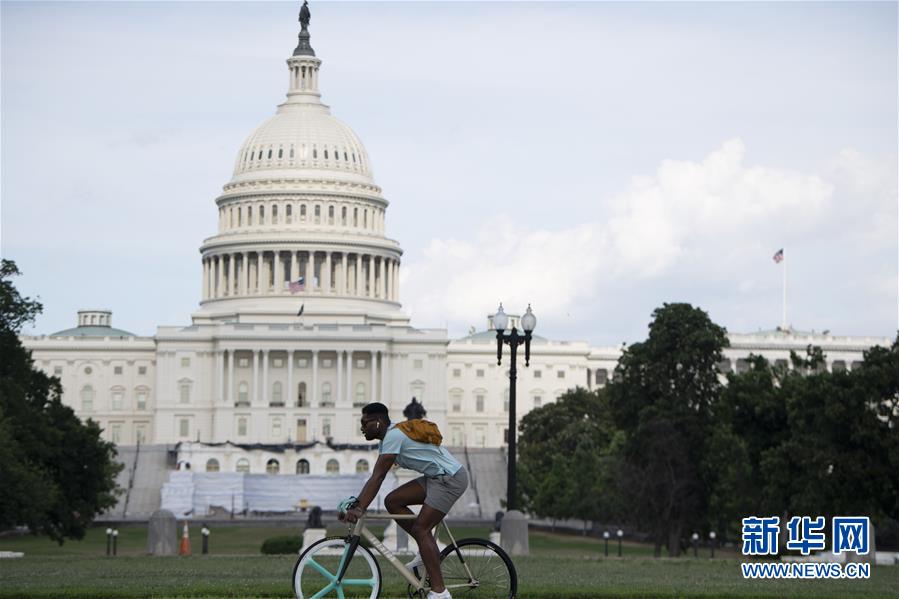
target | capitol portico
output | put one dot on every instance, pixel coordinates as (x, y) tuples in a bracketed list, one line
[(300, 323)]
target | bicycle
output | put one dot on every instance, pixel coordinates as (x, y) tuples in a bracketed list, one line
[(342, 567)]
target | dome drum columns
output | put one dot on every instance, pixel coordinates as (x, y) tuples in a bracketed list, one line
[(318, 272)]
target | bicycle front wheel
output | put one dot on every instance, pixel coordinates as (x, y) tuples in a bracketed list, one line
[(478, 568), (315, 573)]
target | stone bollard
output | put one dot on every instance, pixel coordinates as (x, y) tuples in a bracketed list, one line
[(162, 537), (514, 533)]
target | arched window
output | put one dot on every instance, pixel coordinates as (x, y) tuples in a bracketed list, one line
[(243, 393), (303, 467), (289, 213), (262, 215), (212, 465), (272, 466), (87, 399), (275, 214), (277, 399), (331, 215), (302, 211), (360, 395), (243, 465), (362, 467), (326, 395), (332, 467), (249, 215)]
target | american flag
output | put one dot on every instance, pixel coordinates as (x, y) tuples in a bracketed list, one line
[(779, 256), (298, 285)]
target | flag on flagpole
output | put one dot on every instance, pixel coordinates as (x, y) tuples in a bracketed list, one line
[(297, 286), (779, 256)]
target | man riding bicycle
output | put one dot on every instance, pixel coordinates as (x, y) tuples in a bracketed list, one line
[(414, 444)]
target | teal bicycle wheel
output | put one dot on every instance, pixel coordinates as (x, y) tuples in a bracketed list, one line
[(315, 573)]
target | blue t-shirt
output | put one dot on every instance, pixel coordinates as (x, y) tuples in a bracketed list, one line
[(430, 460)]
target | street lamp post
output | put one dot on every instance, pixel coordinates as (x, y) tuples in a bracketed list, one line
[(513, 340), (605, 536), (695, 544), (620, 534), (712, 537)]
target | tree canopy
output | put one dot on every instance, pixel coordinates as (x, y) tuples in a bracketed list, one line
[(669, 449), (57, 472)]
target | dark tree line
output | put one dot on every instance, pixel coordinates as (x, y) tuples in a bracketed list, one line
[(667, 448), (56, 473)]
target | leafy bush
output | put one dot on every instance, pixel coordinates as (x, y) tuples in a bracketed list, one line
[(282, 545)]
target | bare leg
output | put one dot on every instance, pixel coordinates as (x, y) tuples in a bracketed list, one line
[(398, 500), (427, 519)]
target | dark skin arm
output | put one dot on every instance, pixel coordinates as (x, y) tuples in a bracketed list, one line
[(371, 487)]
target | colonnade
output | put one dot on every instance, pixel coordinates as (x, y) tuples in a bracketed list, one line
[(260, 379), (323, 273)]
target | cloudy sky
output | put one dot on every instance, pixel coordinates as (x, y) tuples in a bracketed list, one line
[(593, 159)]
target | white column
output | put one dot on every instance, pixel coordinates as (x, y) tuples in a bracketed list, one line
[(221, 276), (358, 281), (294, 266), (326, 276), (265, 377), (219, 375), (232, 379), (205, 285), (374, 362), (231, 274), (349, 377), (344, 275), (385, 396), (396, 284), (254, 394), (313, 392), (310, 271), (291, 397), (258, 280), (371, 276), (245, 273), (382, 279), (339, 395), (278, 272)]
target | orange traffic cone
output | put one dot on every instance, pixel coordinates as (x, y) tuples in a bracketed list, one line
[(184, 549)]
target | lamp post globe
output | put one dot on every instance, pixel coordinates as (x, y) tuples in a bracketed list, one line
[(528, 321), (500, 319)]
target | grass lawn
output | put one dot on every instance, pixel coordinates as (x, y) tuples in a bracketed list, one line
[(559, 567)]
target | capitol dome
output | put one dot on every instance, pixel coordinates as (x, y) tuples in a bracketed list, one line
[(303, 137), (301, 223)]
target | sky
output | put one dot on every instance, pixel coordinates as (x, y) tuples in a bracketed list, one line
[(595, 160)]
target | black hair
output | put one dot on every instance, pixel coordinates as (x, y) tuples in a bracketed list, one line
[(376, 409)]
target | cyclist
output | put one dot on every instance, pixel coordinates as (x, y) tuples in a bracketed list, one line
[(442, 482)]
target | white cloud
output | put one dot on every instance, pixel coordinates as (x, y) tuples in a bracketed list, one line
[(711, 222)]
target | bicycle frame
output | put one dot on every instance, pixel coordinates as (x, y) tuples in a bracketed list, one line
[(359, 530)]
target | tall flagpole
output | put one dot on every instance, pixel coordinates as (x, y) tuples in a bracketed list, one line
[(783, 314)]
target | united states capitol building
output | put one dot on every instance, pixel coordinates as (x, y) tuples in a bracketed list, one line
[(300, 323)]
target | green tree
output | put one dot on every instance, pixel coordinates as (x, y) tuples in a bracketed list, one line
[(815, 442), (562, 457), (662, 403), (57, 472)]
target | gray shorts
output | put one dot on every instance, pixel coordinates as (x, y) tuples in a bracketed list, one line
[(441, 492)]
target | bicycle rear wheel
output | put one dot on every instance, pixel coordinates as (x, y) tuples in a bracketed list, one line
[(483, 570), (315, 573)]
